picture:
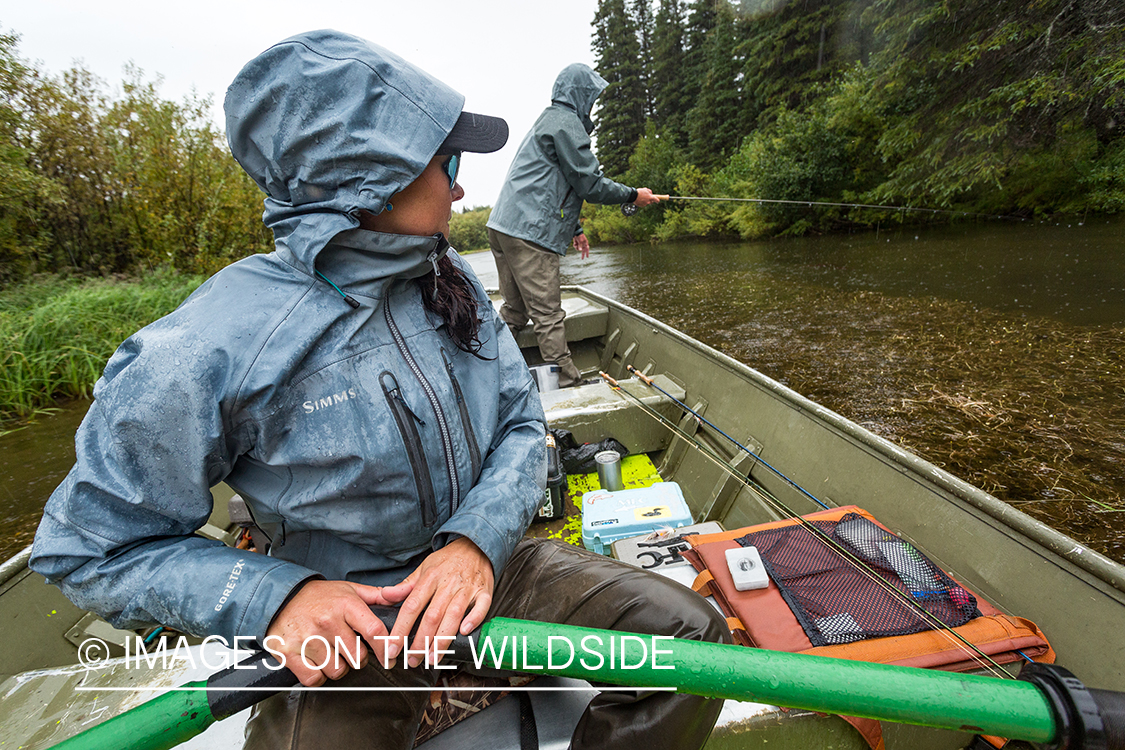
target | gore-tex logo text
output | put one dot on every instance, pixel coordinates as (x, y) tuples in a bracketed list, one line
[(235, 574), (332, 400)]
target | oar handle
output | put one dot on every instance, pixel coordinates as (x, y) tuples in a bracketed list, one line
[(228, 693), (1111, 707), (178, 715), (1111, 710), (227, 690)]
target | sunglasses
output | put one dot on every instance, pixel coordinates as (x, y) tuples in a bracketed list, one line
[(451, 166)]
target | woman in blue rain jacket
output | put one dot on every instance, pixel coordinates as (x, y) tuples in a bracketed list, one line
[(362, 438)]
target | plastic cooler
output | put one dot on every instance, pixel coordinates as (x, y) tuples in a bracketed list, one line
[(609, 516)]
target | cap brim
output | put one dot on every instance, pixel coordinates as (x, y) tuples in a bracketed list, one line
[(480, 134)]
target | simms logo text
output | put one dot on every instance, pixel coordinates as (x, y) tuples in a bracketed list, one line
[(324, 403)]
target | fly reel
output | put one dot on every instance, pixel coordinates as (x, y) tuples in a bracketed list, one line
[(628, 208)]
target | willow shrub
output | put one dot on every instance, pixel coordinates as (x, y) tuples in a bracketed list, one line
[(467, 230), (1105, 180), (56, 336), (656, 163)]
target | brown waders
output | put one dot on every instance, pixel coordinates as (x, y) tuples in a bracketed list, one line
[(529, 280), (547, 581)]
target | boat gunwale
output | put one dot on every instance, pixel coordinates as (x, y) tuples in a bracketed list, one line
[(1057, 543), (14, 565)]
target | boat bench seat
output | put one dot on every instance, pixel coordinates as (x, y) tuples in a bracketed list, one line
[(594, 412), (585, 319)]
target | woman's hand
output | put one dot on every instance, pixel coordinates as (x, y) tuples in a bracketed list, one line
[(303, 634), (451, 590)]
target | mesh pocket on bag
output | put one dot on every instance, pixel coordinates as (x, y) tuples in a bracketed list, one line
[(837, 602)]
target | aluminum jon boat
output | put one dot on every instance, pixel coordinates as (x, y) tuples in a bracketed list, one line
[(800, 451)]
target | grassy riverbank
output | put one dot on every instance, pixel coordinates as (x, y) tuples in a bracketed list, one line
[(56, 334)]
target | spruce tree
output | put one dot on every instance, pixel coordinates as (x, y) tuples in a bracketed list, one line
[(667, 83), (641, 11), (620, 116), (789, 53), (716, 126), (700, 21)]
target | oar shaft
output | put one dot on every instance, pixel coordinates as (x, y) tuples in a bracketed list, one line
[(946, 700), (158, 724), (983, 705)]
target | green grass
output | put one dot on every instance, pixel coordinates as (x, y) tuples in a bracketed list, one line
[(56, 335)]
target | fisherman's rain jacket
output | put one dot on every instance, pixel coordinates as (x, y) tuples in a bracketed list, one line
[(362, 439), (555, 169)]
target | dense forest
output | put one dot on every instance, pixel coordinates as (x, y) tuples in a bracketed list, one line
[(1004, 107), (95, 185)]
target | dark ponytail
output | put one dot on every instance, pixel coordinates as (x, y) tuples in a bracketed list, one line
[(449, 295)]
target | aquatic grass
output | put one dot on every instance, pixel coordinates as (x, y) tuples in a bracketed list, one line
[(1103, 508), (1028, 409), (56, 335)]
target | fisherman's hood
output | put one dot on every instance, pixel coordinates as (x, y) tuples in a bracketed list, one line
[(328, 124), (578, 86)]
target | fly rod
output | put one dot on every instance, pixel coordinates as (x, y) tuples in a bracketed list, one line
[(1046, 705), (631, 208), (652, 384)]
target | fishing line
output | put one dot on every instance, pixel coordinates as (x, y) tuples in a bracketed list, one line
[(983, 659), (631, 208)]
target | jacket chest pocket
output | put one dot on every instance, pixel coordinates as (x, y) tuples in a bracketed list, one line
[(408, 423), (466, 420)]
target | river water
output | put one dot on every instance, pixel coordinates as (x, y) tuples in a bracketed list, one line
[(994, 350)]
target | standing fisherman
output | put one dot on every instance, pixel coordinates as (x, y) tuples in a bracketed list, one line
[(535, 218)]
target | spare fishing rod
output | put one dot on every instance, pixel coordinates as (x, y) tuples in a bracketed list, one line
[(631, 208), (971, 650), (652, 384)]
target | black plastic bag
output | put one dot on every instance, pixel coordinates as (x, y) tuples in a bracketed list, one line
[(578, 458)]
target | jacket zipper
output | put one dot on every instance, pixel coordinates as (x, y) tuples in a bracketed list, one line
[(466, 422), (562, 206), (406, 418), (439, 413)]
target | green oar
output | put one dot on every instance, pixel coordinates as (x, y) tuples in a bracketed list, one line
[(1049, 707), (180, 714)]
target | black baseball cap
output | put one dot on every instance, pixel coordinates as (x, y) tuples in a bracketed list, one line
[(479, 134)]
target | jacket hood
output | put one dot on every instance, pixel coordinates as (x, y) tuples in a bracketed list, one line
[(327, 124), (578, 86)]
